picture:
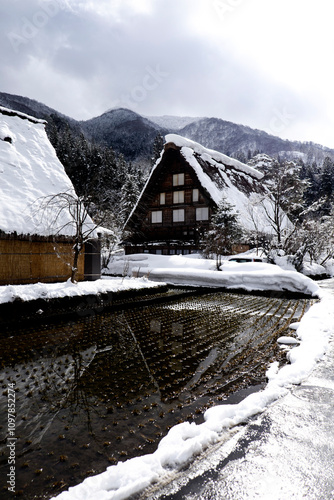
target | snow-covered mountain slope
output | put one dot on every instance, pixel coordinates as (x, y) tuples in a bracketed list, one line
[(233, 139), (29, 171)]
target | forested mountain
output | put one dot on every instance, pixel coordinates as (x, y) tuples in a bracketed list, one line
[(243, 142), (133, 135), (125, 131), (34, 108)]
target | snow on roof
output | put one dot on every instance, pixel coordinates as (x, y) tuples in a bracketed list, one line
[(29, 171), (11, 112), (212, 156)]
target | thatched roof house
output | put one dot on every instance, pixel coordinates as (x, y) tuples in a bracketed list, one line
[(184, 187), (32, 247)]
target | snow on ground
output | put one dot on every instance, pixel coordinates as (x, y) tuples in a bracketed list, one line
[(151, 270), (196, 271), (186, 440), (9, 293)]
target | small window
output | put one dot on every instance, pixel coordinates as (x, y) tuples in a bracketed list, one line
[(202, 213), (178, 197), (178, 215), (162, 198), (157, 217), (195, 195), (178, 180)]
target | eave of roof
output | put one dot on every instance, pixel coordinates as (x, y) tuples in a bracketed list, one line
[(10, 112)]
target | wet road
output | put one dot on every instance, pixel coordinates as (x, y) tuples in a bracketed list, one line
[(285, 453)]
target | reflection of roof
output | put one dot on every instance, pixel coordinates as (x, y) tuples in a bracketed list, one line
[(29, 171), (220, 176)]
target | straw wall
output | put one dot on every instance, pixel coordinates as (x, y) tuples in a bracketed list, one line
[(23, 261)]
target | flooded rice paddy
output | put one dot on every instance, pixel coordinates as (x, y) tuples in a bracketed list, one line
[(108, 387)]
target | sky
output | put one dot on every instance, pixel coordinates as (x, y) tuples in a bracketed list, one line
[(262, 63)]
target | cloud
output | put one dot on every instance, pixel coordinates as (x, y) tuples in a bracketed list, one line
[(220, 58)]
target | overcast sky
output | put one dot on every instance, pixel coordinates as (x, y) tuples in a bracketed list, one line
[(263, 63)]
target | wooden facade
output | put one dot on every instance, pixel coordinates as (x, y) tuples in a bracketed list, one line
[(32, 259), (173, 212)]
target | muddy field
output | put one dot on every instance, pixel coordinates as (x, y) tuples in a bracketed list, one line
[(109, 386)]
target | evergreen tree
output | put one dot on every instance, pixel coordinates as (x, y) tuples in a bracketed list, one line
[(327, 177), (129, 193), (312, 191), (157, 148), (240, 155), (224, 232), (326, 186)]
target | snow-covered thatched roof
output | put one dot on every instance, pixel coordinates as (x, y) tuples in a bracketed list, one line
[(214, 158), (222, 177), (29, 171)]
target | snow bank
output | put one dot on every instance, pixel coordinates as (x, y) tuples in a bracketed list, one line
[(153, 270), (329, 266), (29, 171), (46, 291), (188, 439), (253, 276)]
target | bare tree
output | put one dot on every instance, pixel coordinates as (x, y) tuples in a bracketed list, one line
[(68, 214)]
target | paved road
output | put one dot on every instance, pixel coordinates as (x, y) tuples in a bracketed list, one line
[(286, 453)]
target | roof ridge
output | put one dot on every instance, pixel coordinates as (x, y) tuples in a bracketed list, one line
[(24, 116)]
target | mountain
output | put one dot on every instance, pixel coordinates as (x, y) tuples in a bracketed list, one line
[(31, 107), (234, 140), (133, 135), (125, 131)]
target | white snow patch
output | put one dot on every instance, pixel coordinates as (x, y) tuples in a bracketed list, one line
[(250, 276), (9, 293), (287, 340)]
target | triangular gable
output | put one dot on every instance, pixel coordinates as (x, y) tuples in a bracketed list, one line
[(219, 176)]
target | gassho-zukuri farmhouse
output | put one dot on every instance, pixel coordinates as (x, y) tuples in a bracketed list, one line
[(185, 185), (35, 246)]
